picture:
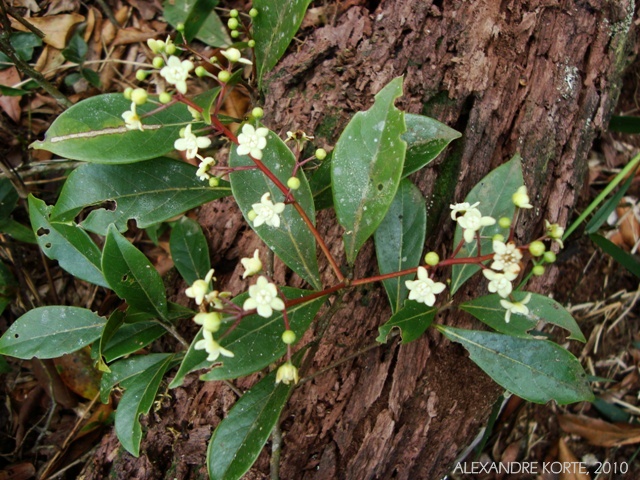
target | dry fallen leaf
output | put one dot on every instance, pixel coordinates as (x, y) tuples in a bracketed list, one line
[(575, 468), (56, 28), (598, 432), (10, 105)]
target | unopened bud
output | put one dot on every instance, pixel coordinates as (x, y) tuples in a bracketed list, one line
[(233, 23), (537, 248), (224, 76), (504, 222), (165, 97), (549, 257), (321, 154), (257, 112), (158, 62), (253, 13), (142, 75), (288, 337), (432, 259), (139, 96), (538, 270), (293, 183)]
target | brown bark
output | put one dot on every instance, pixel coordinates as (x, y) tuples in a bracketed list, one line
[(535, 77)]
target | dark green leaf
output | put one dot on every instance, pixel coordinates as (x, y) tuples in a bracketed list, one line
[(536, 370), (50, 332), (488, 310), (412, 320), (91, 76), (239, 438), (625, 259), (94, 131), (609, 206), (70, 245), (189, 250), (320, 184), (148, 192), (17, 231), (114, 322), (8, 198), (130, 338), (624, 124), (399, 240), (292, 241), (200, 20), (76, 49), (366, 168), (125, 371), (12, 92), (132, 276), (23, 44), (494, 193)]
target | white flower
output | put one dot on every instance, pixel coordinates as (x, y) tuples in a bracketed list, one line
[(252, 141), (190, 144), (500, 282), (251, 265), (203, 168), (131, 119), (521, 199), (515, 307), (263, 296), (472, 221), (210, 321), (554, 232), (287, 373), (424, 290), (200, 288), (177, 72), (213, 348), (267, 212), (506, 257), (461, 208), (233, 55)]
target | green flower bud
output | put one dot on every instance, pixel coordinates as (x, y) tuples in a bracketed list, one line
[(498, 237), (257, 112), (537, 248), (233, 23), (141, 75), (234, 33), (233, 13), (504, 222), (293, 183), (127, 93), (139, 96), (432, 259), (538, 270), (158, 62), (180, 27), (251, 43), (170, 48), (549, 257), (252, 215), (253, 13), (200, 71), (224, 76), (165, 97), (288, 337), (214, 182), (321, 154)]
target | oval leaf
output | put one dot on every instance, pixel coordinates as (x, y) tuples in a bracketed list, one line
[(200, 20), (94, 131), (189, 250), (412, 320), (49, 332), (399, 240), (292, 241), (366, 168), (536, 370)]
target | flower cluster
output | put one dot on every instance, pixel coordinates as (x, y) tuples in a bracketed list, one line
[(470, 219)]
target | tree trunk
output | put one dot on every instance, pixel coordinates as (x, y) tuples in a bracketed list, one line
[(535, 77)]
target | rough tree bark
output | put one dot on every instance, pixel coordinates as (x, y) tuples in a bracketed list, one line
[(537, 77)]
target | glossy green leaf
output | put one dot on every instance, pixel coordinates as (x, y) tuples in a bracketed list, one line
[(366, 168), (114, 322), (625, 259), (132, 276), (292, 241), (140, 393), (8, 198), (124, 371), (200, 20), (488, 310), (400, 238), (49, 332), (130, 338), (70, 245), (93, 131), (426, 138), (412, 320), (273, 29), (536, 370), (320, 184), (189, 250), (239, 438), (494, 194), (148, 192), (257, 341)]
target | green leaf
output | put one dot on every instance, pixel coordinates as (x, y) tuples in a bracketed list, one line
[(70, 245), (273, 29), (536, 370), (609, 206), (125, 371), (130, 338), (488, 310), (625, 259), (8, 287), (137, 399), (91, 76), (189, 250), (320, 184), (292, 241), (239, 438), (94, 131), (76, 49), (23, 43), (366, 168), (50, 332), (400, 238), (412, 320), (8, 198), (114, 322), (624, 124), (426, 138), (147, 192), (12, 92), (494, 194), (257, 341), (17, 230), (200, 20), (132, 276)]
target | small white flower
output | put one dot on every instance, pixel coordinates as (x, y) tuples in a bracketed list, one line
[(190, 144), (213, 348), (251, 265), (233, 55), (287, 373), (252, 141), (176, 72), (267, 212), (500, 282), (131, 119), (461, 208), (506, 257), (210, 321), (515, 307), (263, 296), (424, 290), (554, 232), (203, 169), (200, 288), (520, 198), (472, 221)]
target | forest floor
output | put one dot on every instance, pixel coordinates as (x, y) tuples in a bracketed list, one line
[(50, 419)]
